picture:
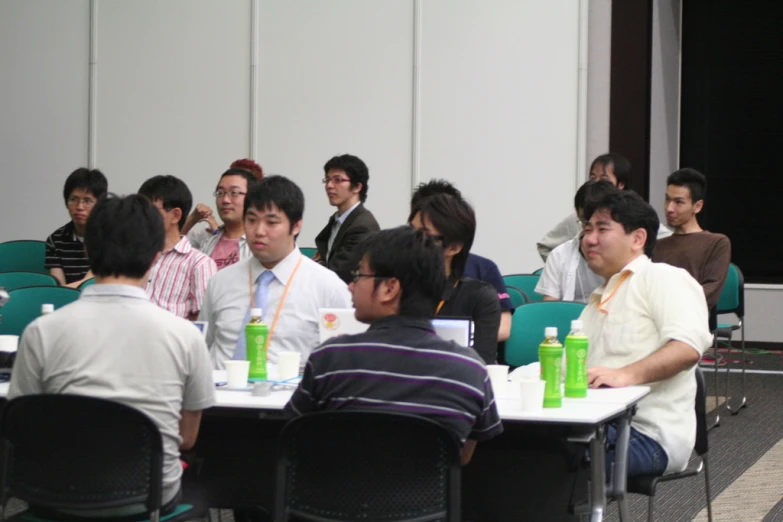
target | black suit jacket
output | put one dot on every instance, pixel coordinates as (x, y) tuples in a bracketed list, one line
[(358, 224)]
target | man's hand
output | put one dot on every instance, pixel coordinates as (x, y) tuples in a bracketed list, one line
[(612, 377), (202, 212)]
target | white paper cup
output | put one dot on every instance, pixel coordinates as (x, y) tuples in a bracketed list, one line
[(9, 343), (498, 374), (288, 365), (236, 374), (531, 394)]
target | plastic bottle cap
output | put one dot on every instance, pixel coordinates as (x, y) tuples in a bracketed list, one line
[(47, 308), (256, 312), (576, 324), (550, 331)]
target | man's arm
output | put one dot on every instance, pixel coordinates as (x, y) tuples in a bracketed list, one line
[(202, 212), (58, 274), (189, 425), (716, 270), (567, 229), (669, 360), (343, 260), (504, 331), (486, 319), (467, 451), (28, 367), (76, 284), (202, 273)]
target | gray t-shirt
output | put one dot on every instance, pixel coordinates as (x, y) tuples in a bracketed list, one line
[(113, 343)]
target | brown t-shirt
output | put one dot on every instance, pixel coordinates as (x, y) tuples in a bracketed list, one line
[(706, 256)]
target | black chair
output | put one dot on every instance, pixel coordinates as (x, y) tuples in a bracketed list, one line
[(363, 465), (70, 452), (646, 485)]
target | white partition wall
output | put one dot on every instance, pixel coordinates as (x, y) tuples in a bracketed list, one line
[(482, 93)]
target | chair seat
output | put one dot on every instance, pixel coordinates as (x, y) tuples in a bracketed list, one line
[(180, 513), (646, 484), (724, 330)]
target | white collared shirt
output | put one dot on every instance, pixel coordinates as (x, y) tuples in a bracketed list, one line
[(566, 276), (338, 222), (228, 298), (657, 303), (206, 242)]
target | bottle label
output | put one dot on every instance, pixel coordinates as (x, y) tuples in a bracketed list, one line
[(576, 366)]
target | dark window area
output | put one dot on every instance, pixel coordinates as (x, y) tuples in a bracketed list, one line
[(732, 125)]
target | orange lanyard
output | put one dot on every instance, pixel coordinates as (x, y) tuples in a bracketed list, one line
[(282, 298), (443, 301), (625, 276)]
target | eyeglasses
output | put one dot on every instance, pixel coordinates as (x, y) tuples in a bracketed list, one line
[(355, 275), (233, 194), (431, 236), (334, 179), (74, 201)]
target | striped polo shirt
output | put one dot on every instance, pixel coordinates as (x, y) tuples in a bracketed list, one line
[(400, 365), (178, 279), (64, 250)]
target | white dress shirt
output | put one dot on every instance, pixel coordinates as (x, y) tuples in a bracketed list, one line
[(566, 276), (657, 303), (228, 298)]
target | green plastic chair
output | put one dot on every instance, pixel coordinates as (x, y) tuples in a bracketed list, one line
[(13, 280), (24, 305), (527, 283), (308, 251), (539, 271), (527, 328), (732, 301), (89, 282), (23, 256), (517, 296)]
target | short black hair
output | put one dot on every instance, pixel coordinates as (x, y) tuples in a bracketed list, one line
[(123, 236), (172, 193), (631, 211), (415, 260), (91, 180), (354, 168), (621, 167), (456, 222), (691, 178), (279, 191), (591, 189), (249, 176), (429, 189)]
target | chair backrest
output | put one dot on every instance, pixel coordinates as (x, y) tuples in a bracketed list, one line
[(517, 296), (527, 328), (70, 451), (539, 271), (89, 282), (732, 297), (525, 282), (23, 255), (702, 445), (362, 465), (308, 251), (24, 305), (13, 280)]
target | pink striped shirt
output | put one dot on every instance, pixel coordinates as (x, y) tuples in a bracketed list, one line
[(178, 280)]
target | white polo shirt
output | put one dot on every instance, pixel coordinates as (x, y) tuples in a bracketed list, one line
[(657, 303)]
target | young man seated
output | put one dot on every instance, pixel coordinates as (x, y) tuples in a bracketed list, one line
[(647, 325), (114, 344), (179, 278), (399, 364), (65, 255)]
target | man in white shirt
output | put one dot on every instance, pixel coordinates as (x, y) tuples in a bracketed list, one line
[(113, 343), (566, 276), (293, 286), (647, 325)]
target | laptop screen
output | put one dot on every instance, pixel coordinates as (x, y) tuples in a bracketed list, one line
[(457, 329)]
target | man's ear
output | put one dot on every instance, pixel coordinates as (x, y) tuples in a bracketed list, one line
[(176, 215), (639, 238), (698, 206), (297, 228), (453, 249), (389, 290), (356, 189)]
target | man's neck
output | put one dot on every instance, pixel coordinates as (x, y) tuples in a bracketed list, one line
[(78, 229), (270, 265), (233, 230), (120, 280), (342, 208), (619, 270), (172, 238), (688, 228)]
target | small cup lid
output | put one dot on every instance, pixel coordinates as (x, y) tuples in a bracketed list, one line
[(256, 312)]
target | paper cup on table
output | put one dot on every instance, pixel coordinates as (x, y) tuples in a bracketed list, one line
[(531, 394), (236, 374), (498, 374), (288, 365), (9, 343)]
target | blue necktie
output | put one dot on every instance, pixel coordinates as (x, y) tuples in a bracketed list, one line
[(261, 296)]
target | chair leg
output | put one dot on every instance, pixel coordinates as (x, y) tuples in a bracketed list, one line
[(707, 489), (743, 401), (650, 508), (716, 423)]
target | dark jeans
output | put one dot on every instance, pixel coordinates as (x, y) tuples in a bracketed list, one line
[(645, 456)]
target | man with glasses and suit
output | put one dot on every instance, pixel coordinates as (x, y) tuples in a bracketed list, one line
[(345, 180)]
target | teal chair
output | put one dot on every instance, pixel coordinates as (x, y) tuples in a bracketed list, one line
[(527, 283), (527, 328), (308, 251), (23, 256), (539, 271), (517, 296), (732, 301), (24, 305), (13, 280), (89, 282)]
